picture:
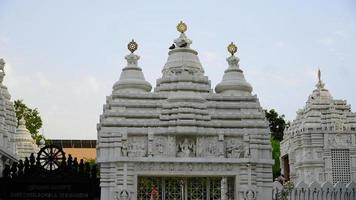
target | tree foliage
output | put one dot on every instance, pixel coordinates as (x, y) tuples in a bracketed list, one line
[(276, 153), (277, 124), (32, 118)]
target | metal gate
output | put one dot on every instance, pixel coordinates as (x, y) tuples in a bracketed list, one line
[(183, 188), (50, 176)]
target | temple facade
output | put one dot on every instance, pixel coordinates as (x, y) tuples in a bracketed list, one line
[(320, 144), (183, 140), (8, 124)]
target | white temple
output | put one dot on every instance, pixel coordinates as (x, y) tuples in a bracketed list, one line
[(320, 144), (25, 144), (183, 140), (8, 123)]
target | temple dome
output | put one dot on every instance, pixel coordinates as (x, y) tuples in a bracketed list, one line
[(132, 78), (233, 81), (320, 94), (183, 70), (25, 144)]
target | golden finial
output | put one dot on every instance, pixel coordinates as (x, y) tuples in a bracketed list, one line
[(132, 46), (232, 48), (182, 27)]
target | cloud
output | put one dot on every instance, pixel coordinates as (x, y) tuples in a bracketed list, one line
[(327, 41), (3, 40), (279, 44), (85, 86), (42, 79), (19, 81)]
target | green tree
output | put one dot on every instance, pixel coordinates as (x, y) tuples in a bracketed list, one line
[(276, 153), (277, 124), (32, 118)]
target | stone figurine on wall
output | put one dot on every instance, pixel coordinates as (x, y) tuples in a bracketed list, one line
[(137, 146), (186, 148), (235, 148)]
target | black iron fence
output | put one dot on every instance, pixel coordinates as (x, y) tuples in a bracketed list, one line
[(50, 175)]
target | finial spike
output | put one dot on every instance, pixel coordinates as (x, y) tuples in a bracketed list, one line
[(232, 48), (182, 27), (132, 46), (319, 75)]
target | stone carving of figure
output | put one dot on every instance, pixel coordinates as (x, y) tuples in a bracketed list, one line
[(235, 150), (185, 149), (339, 140), (124, 149), (339, 125)]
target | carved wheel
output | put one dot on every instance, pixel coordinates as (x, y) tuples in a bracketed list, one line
[(51, 157)]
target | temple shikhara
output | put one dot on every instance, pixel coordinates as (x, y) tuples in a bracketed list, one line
[(320, 144), (183, 140), (8, 123), (16, 142)]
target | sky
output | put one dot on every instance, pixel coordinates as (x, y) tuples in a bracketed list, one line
[(64, 56)]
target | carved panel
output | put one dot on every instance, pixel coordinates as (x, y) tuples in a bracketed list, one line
[(207, 147), (137, 146), (339, 140), (235, 148), (160, 146), (183, 167), (186, 146)]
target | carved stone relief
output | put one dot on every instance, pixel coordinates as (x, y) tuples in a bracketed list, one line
[(179, 167), (207, 147), (339, 125), (186, 147), (160, 146), (137, 146), (182, 71), (308, 155), (339, 140), (235, 148)]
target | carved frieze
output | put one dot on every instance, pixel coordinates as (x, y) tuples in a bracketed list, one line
[(339, 140), (177, 167), (207, 147), (160, 147), (235, 148), (186, 147), (137, 146)]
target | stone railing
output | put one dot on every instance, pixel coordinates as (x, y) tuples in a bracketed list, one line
[(314, 191)]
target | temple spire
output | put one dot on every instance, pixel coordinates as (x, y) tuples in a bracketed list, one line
[(182, 41), (320, 84), (132, 78), (233, 80), (319, 75), (2, 71)]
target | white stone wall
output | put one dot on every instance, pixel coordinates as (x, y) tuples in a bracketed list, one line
[(183, 128), (315, 191), (321, 127), (7, 124)]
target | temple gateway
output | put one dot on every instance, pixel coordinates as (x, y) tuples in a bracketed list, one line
[(183, 140)]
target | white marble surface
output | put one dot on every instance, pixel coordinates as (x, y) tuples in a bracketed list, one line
[(183, 128), (323, 125), (8, 123)]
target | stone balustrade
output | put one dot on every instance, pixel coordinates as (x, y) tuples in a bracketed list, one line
[(314, 191)]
